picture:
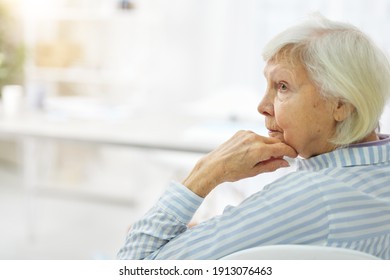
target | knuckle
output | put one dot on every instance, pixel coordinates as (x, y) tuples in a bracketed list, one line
[(245, 136)]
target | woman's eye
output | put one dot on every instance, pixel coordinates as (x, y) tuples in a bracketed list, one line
[(282, 87)]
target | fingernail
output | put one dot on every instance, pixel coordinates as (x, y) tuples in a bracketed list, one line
[(284, 164)]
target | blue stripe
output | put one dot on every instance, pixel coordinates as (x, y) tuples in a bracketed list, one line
[(353, 158), (342, 154), (385, 195), (357, 238), (353, 208), (363, 217), (366, 226), (378, 186), (371, 154), (340, 200), (362, 157), (332, 158)]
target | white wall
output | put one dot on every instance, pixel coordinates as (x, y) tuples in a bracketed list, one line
[(204, 49)]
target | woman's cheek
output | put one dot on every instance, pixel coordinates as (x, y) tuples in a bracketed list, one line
[(282, 115), (285, 121)]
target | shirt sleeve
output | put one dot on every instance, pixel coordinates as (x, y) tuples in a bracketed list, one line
[(289, 211), (167, 219)]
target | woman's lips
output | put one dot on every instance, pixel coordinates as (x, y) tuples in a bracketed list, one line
[(274, 133)]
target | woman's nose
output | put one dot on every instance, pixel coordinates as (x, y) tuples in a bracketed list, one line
[(266, 106)]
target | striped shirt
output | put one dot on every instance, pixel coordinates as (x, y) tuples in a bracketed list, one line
[(339, 199)]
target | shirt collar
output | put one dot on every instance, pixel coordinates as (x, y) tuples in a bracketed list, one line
[(369, 153)]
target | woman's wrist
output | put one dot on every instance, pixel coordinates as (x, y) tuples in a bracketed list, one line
[(202, 180)]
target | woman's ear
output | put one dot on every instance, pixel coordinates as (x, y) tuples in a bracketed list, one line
[(342, 110)]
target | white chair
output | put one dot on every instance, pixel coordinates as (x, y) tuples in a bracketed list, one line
[(298, 252)]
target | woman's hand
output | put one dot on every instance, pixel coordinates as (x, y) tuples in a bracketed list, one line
[(244, 155)]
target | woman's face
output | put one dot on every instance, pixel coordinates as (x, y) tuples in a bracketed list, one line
[(294, 110)]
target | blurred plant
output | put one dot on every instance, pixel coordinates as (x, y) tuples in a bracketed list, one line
[(12, 51)]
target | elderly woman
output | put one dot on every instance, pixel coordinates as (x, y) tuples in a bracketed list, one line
[(327, 86)]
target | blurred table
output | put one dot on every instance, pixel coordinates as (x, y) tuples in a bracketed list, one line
[(151, 132)]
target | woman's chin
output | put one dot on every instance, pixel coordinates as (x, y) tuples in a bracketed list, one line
[(276, 134)]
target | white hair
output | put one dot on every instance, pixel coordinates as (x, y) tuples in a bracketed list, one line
[(344, 64)]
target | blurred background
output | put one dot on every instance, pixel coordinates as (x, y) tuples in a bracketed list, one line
[(103, 102)]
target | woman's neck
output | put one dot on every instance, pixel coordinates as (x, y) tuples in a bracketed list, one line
[(371, 137)]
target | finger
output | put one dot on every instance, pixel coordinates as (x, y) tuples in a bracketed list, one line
[(270, 140), (273, 140), (264, 139), (278, 150), (270, 165), (282, 149)]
